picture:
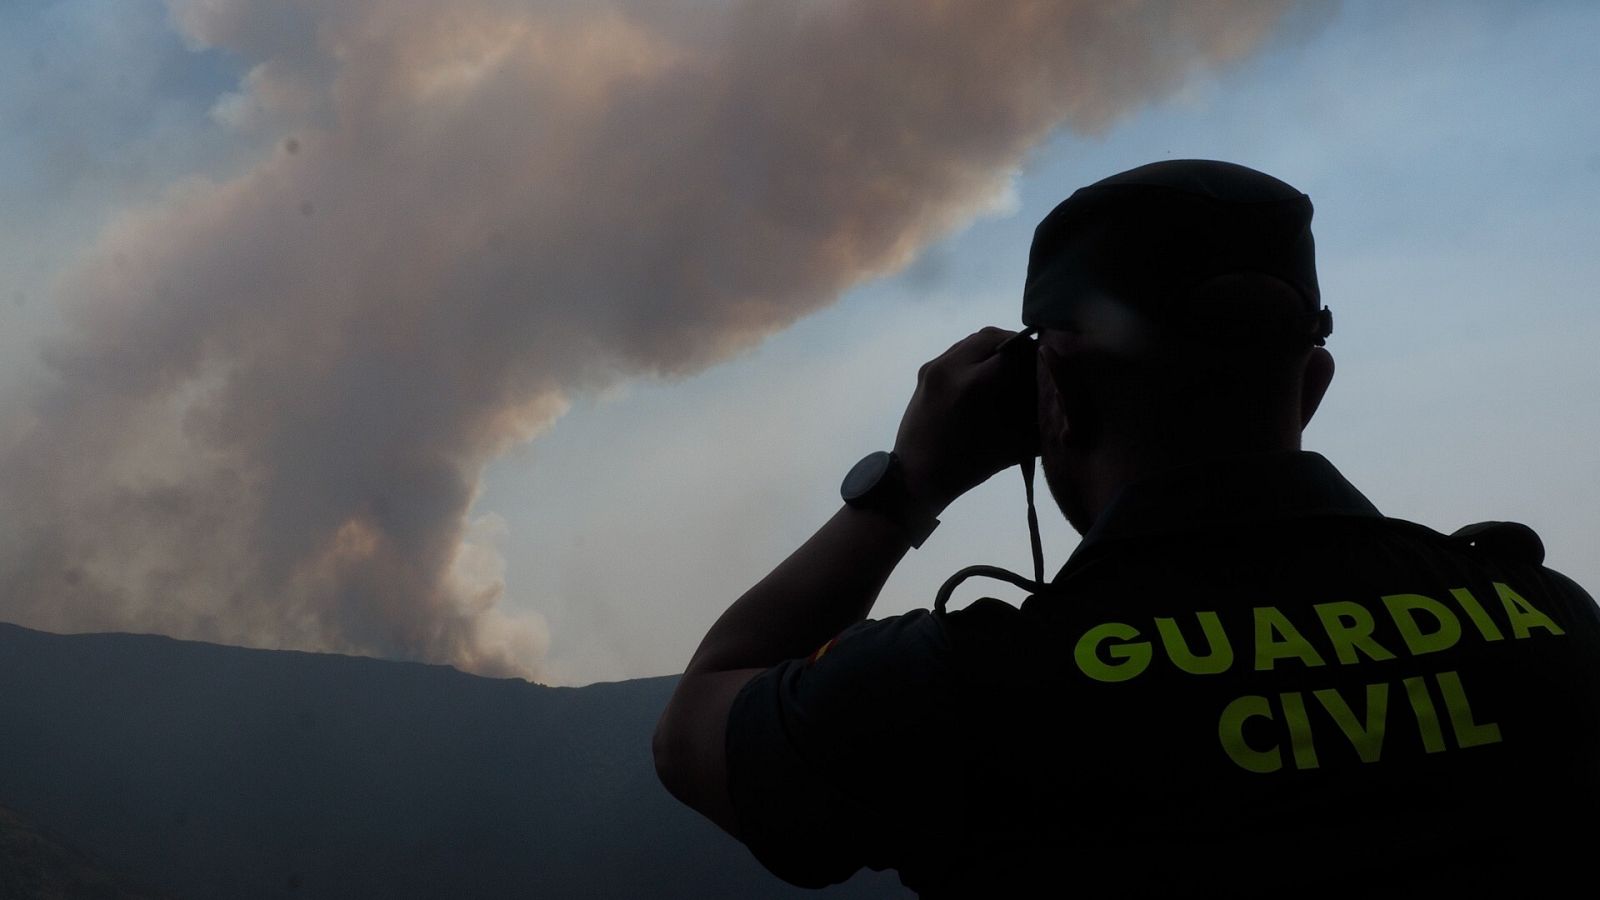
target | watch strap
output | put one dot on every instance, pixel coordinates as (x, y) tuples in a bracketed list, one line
[(877, 483)]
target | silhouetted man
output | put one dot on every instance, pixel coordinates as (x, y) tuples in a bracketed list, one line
[(1244, 681)]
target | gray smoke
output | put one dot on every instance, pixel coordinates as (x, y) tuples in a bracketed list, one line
[(268, 416)]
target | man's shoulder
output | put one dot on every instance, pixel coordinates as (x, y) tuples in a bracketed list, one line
[(859, 682), (1496, 549), (830, 755), (1510, 541), (879, 647), (883, 679), (1504, 542), (919, 638)]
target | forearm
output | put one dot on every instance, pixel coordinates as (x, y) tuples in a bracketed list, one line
[(825, 586), (945, 446)]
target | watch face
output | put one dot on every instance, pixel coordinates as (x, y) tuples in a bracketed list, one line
[(865, 475)]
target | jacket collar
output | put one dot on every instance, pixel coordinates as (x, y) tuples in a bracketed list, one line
[(1288, 484)]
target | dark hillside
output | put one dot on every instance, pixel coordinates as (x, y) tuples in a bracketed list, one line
[(215, 771), (35, 865)]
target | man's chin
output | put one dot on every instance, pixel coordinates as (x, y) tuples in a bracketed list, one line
[(1066, 495)]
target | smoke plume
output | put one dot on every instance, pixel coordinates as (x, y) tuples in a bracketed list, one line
[(268, 415)]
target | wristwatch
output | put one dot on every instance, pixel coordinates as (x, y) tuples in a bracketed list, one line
[(878, 483)]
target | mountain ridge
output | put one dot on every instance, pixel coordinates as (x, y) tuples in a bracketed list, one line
[(209, 770)]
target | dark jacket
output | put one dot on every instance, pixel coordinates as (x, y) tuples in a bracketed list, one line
[(1245, 681)]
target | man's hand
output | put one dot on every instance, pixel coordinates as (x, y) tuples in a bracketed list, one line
[(972, 415)]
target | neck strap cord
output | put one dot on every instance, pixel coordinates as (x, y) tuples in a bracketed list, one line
[(1034, 586)]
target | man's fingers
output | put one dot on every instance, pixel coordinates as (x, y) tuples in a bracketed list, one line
[(976, 346), (966, 359)]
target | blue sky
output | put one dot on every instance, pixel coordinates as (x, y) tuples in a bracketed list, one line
[(1450, 148)]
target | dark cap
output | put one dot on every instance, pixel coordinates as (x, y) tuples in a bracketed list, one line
[(1150, 236)]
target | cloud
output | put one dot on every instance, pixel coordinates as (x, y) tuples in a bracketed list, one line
[(270, 412)]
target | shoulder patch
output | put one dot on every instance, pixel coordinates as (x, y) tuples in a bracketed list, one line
[(1507, 540), (821, 650)]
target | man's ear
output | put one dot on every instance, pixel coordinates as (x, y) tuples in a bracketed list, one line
[(1054, 390), (1318, 374)]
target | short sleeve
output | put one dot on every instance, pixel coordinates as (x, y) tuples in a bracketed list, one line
[(830, 758)]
